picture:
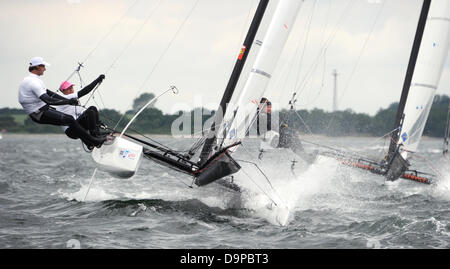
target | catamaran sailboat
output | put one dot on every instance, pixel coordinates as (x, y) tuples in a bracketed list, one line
[(424, 71), (123, 156)]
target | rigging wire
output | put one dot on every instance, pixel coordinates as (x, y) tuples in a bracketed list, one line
[(322, 85), (80, 65), (356, 154), (163, 54), (415, 155), (324, 53), (90, 183), (262, 172), (327, 44), (259, 187), (184, 183), (317, 140), (305, 45), (135, 35), (230, 122), (101, 99), (169, 45), (110, 31), (77, 70), (359, 57), (265, 176), (202, 139), (299, 90), (129, 43)]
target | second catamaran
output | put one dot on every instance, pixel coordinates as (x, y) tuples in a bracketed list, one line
[(428, 55)]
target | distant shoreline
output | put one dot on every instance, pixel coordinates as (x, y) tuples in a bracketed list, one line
[(63, 135), (18, 135)]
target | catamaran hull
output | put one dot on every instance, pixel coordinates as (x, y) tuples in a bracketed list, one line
[(120, 159), (218, 168), (397, 168)]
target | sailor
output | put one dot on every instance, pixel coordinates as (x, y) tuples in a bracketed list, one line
[(266, 105), (264, 112), (285, 136), (87, 118), (37, 103)]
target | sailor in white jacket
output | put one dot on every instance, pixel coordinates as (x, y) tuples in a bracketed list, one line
[(36, 102)]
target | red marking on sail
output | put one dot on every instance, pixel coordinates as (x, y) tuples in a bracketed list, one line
[(285, 26), (241, 54)]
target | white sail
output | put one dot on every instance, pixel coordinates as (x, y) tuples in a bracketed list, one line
[(244, 110), (430, 62)]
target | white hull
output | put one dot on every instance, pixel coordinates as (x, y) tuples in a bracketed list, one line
[(120, 159)]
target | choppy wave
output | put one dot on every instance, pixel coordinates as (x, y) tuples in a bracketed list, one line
[(329, 205)]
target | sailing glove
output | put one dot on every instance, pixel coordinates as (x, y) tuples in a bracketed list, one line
[(73, 102)]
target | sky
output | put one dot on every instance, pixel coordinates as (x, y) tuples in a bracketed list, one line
[(150, 45)]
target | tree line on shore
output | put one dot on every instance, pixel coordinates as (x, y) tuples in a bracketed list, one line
[(318, 121)]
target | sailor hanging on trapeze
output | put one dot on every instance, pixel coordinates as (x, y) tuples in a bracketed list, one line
[(37, 102)]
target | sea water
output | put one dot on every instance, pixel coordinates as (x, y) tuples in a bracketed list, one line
[(44, 179)]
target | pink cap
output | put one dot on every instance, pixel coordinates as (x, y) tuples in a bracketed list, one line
[(65, 85)]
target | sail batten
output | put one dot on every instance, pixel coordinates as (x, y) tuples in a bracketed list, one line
[(434, 87), (439, 19)]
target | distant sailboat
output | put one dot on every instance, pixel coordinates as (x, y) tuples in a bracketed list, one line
[(429, 53), (421, 88)]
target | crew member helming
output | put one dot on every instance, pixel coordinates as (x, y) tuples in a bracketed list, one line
[(37, 103)]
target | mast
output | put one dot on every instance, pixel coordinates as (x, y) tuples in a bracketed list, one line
[(212, 136), (409, 75)]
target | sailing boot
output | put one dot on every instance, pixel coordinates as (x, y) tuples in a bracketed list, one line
[(100, 133), (90, 147), (100, 130)]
